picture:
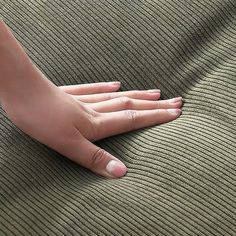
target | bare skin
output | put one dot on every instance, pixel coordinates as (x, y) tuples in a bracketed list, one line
[(69, 118)]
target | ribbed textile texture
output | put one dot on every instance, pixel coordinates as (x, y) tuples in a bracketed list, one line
[(182, 175)]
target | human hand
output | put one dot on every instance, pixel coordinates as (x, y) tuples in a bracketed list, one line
[(69, 118)]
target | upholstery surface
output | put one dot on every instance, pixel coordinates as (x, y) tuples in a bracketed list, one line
[(182, 175)]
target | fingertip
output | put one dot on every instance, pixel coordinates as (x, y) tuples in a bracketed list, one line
[(112, 86), (176, 112), (177, 104), (154, 91), (175, 100), (116, 168), (115, 85)]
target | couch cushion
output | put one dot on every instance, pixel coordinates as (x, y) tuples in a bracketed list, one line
[(182, 175)]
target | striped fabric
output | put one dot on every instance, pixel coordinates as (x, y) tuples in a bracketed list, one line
[(182, 175)]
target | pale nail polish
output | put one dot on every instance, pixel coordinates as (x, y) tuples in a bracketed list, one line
[(115, 83), (154, 90), (174, 100), (116, 168), (174, 111)]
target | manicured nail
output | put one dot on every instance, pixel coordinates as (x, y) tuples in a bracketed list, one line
[(116, 168), (174, 111), (174, 100), (154, 90), (115, 83)]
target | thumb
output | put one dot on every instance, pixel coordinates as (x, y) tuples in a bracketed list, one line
[(94, 158)]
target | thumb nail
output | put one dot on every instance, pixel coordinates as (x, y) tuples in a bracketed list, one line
[(116, 168)]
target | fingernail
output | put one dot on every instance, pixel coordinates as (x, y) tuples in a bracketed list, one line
[(174, 111), (116, 168), (154, 90), (115, 83), (174, 100)]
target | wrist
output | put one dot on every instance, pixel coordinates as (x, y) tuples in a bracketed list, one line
[(19, 77), (14, 63)]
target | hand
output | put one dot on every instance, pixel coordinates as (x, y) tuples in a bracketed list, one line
[(69, 118)]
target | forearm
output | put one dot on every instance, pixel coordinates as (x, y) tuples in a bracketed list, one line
[(18, 75)]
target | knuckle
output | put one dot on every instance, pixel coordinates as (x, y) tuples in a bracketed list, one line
[(96, 126), (97, 157), (109, 96), (159, 105), (132, 118), (126, 102), (89, 128)]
